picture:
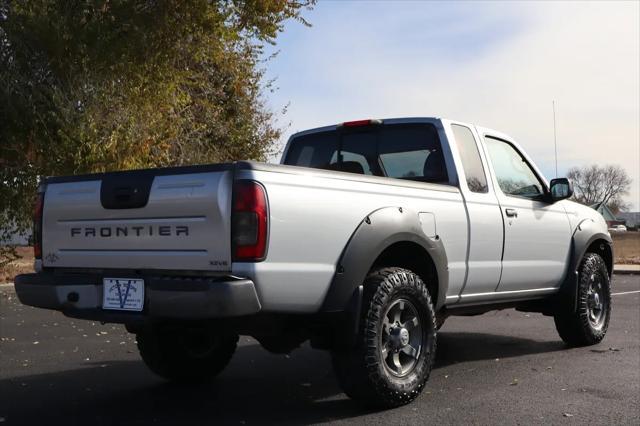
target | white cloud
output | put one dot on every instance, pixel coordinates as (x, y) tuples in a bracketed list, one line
[(494, 65)]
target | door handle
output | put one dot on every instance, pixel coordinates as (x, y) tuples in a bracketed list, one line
[(511, 212)]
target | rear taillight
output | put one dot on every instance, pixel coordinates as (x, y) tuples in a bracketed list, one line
[(37, 225), (249, 221)]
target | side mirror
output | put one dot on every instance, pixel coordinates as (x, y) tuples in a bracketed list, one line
[(560, 188)]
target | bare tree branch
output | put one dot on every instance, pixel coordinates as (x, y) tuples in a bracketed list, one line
[(601, 185)]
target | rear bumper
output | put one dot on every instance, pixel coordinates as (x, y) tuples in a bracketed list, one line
[(80, 296)]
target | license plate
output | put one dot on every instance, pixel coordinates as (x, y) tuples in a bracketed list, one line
[(123, 294)]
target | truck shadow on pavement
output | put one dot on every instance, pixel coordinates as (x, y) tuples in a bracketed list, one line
[(457, 347), (257, 387)]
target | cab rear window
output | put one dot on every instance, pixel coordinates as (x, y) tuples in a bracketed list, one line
[(403, 151)]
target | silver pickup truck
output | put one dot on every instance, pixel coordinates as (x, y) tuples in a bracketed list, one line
[(363, 241)]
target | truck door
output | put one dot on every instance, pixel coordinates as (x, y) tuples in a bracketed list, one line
[(485, 227), (537, 234)]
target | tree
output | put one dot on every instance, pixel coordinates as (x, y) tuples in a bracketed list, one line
[(93, 86), (600, 185)]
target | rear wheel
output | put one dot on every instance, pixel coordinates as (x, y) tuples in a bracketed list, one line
[(588, 324), (181, 354), (395, 348)]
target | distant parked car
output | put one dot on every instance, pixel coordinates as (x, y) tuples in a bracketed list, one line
[(618, 228)]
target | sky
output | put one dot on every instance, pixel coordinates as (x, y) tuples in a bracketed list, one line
[(495, 64)]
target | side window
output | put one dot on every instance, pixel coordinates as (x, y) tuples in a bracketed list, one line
[(513, 173), (471, 162)]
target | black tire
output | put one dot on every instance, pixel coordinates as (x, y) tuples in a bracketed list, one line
[(365, 373), (589, 323), (186, 355)]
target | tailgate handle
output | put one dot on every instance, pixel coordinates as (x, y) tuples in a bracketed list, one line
[(129, 190), (124, 194)]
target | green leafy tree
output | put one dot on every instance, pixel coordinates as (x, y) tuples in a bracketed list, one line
[(93, 86)]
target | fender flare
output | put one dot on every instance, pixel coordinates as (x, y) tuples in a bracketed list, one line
[(583, 237), (375, 233)]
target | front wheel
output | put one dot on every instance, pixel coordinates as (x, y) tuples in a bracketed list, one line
[(588, 324), (396, 345), (180, 354)]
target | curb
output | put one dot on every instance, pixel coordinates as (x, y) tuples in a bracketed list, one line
[(626, 272)]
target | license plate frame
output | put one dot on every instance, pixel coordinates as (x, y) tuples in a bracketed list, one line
[(123, 294)]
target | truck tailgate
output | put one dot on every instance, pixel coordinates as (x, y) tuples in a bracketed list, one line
[(166, 219)]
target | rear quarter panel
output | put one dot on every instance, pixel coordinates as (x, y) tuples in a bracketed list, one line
[(312, 218)]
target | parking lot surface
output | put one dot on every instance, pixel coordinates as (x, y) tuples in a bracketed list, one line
[(503, 367)]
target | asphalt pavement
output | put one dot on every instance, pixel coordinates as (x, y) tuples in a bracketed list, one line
[(503, 367)]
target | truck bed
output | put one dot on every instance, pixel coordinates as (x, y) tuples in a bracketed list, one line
[(104, 221)]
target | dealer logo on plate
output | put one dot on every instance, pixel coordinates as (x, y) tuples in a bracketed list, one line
[(124, 294)]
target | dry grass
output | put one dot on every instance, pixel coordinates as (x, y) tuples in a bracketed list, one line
[(626, 246), (20, 266)]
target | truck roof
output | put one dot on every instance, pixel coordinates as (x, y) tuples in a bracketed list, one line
[(396, 120)]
